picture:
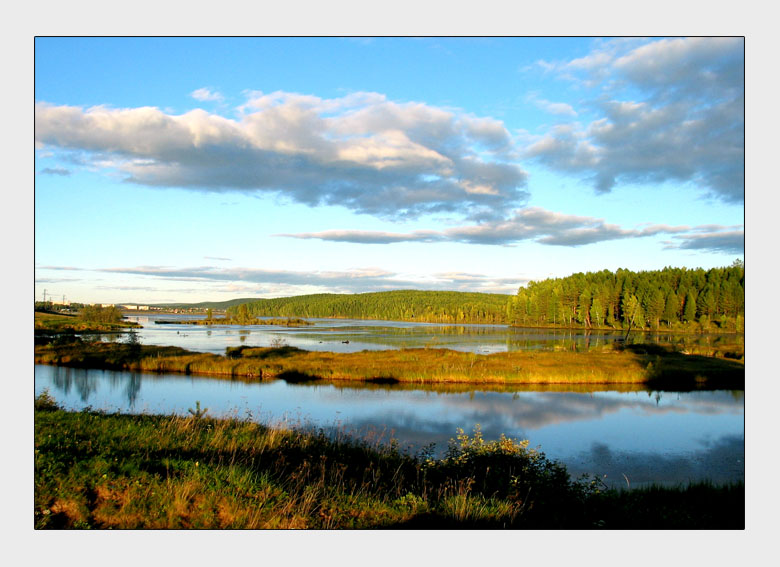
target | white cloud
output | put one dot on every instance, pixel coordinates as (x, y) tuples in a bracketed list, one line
[(206, 95), (556, 108), (360, 151)]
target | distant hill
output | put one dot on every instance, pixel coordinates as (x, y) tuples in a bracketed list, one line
[(219, 305), (400, 305)]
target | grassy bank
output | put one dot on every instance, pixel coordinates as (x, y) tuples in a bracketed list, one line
[(52, 323), (95, 470), (635, 364)]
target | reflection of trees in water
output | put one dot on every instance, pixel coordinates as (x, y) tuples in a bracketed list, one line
[(132, 388), (130, 382), (65, 379), (62, 379), (512, 338), (86, 382)]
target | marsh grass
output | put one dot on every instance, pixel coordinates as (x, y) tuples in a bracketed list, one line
[(59, 329), (634, 364), (97, 470)]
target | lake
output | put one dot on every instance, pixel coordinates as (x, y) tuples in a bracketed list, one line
[(353, 335), (623, 435)]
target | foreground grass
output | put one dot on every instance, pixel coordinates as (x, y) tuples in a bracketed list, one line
[(635, 364), (95, 470)]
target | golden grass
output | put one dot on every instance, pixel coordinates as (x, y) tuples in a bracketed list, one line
[(631, 365)]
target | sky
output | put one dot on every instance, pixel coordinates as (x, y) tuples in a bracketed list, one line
[(206, 169)]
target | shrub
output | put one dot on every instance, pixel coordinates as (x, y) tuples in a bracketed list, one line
[(45, 402)]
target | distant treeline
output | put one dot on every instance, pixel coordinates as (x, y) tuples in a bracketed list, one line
[(404, 305), (241, 319), (203, 305), (673, 298)]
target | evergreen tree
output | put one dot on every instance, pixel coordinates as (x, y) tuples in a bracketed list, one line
[(671, 308), (689, 313)]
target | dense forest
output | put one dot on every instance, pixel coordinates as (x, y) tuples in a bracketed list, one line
[(403, 305), (673, 299)]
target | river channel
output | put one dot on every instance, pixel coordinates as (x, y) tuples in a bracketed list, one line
[(624, 436)]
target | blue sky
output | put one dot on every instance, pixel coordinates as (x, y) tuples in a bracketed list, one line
[(194, 169)]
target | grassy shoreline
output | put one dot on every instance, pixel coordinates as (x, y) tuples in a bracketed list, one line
[(649, 365), (51, 324), (97, 470)]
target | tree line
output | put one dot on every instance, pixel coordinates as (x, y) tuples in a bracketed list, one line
[(401, 305), (672, 298)]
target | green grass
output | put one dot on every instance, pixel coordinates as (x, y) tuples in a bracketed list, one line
[(635, 364), (51, 323), (95, 470)]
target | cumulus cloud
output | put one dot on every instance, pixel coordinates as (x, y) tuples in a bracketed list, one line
[(557, 108), (669, 110), (533, 224), (361, 151), (206, 95)]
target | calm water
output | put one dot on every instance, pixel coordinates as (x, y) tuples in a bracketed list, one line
[(660, 437), (352, 335)]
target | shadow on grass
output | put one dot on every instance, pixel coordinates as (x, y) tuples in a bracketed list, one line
[(672, 370), (295, 377), (261, 353)]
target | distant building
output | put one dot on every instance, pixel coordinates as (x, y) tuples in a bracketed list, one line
[(107, 305), (136, 307)]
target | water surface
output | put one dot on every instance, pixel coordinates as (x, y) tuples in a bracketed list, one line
[(354, 335), (647, 436)]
